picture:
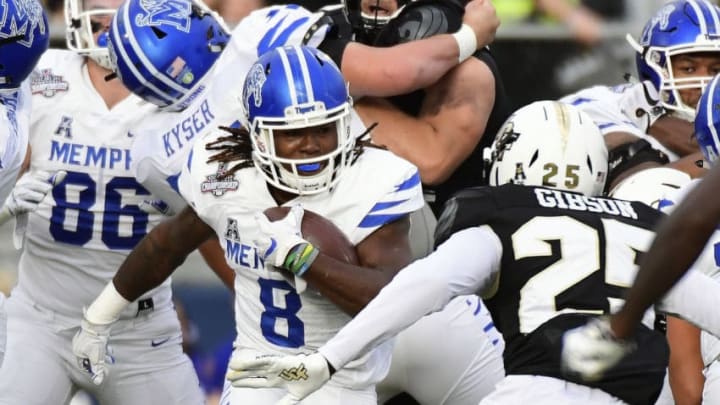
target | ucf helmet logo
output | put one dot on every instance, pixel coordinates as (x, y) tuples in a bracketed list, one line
[(164, 12), (27, 16), (506, 140)]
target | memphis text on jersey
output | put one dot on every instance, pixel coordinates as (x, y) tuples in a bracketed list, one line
[(578, 202)]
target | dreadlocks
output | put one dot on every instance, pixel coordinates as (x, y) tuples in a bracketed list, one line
[(235, 147)]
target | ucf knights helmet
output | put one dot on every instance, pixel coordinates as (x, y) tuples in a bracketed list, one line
[(549, 144)]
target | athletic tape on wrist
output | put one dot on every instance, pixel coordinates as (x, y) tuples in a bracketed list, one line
[(466, 41), (107, 306)]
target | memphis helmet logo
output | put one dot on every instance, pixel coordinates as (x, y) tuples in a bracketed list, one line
[(165, 12), (661, 19), (28, 14), (255, 81)]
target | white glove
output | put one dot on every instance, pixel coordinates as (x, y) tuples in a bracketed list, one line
[(300, 375), (281, 243), (641, 104), (590, 350), (30, 190), (90, 347), (156, 207)]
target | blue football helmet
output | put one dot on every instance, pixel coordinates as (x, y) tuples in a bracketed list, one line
[(707, 121), (291, 88), (24, 36), (163, 49), (679, 27), (84, 19)]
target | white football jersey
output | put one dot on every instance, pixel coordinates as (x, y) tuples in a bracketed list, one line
[(86, 225), (271, 315), (165, 138), (607, 107), (708, 262), (14, 122)]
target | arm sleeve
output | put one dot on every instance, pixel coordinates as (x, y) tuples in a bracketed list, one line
[(695, 298), (467, 263)]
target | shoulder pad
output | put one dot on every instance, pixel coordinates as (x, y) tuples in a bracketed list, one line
[(466, 209)]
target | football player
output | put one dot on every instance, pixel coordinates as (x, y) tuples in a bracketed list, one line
[(649, 123), (291, 298), (693, 362), (190, 83), (442, 129), (19, 51), (75, 240), (546, 258)]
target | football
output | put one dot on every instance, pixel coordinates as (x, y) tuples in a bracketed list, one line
[(322, 233)]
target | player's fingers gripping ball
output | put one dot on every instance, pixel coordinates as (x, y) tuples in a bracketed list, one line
[(281, 242)]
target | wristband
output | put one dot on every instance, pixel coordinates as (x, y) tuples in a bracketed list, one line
[(107, 306), (466, 42), (300, 258)]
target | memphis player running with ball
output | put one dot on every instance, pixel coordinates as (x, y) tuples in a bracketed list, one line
[(299, 150)]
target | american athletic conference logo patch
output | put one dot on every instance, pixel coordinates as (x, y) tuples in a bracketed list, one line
[(9, 27), (44, 82), (165, 12), (220, 182)]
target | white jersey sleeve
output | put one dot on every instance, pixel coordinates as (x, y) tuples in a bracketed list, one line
[(14, 122), (612, 110), (274, 26), (457, 267)]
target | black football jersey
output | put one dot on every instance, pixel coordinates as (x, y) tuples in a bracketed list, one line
[(470, 171), (566, 257)]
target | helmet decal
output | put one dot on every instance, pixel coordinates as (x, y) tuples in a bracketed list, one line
[(661, 20), (165, 12), (254, 83), (28, 15)]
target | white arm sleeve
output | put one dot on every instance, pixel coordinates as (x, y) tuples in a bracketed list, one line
[(695, 298), (467, 263)]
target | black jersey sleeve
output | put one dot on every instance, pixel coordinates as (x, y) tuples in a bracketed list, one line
[(468, 208), (339, 33)]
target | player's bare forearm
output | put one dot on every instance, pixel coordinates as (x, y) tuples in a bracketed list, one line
[(685, 370), (451, 122), (159, 253), (675, 134), (381, 255), (214, 257), (679, 240), (347, 286)]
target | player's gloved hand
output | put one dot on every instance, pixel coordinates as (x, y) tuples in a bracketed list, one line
[(156, 207), (281, 243), (30, 190), (590, 350), (91, 350), (641, 104), (300, 375)]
